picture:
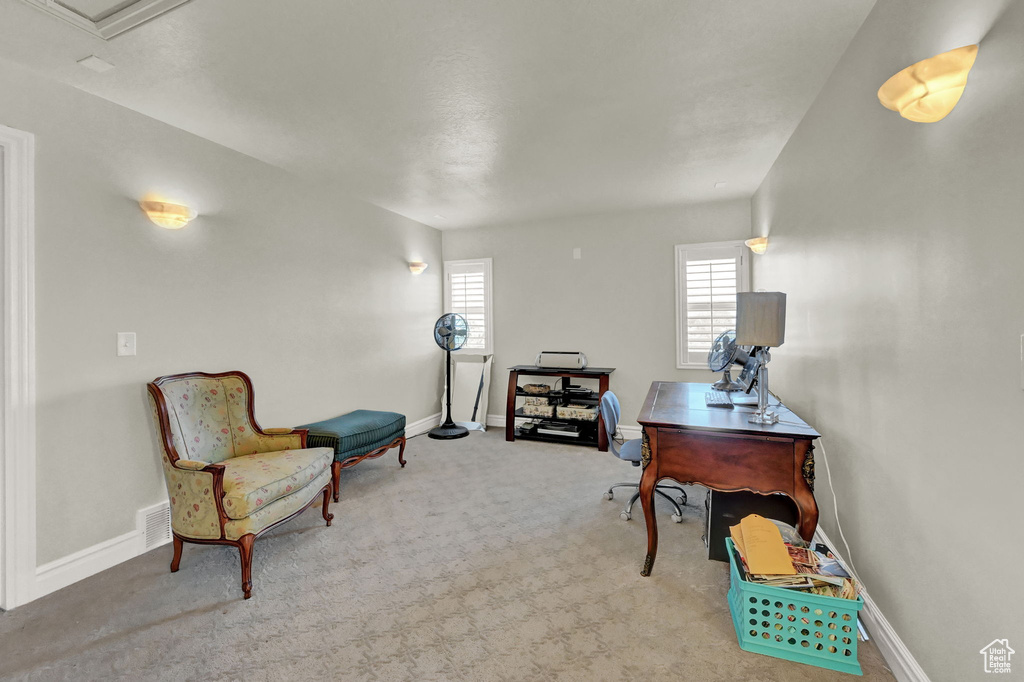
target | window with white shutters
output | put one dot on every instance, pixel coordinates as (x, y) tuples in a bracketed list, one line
[(708, 277), (467, 291)]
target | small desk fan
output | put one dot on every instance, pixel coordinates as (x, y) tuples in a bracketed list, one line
[(450, 333), (723, 354)]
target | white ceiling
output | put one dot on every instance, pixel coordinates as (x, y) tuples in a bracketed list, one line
[(483, 111)]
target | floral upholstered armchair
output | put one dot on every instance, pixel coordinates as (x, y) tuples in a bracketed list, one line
[(229, 481)]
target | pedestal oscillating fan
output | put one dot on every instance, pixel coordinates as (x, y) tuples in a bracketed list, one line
[(450, 333)]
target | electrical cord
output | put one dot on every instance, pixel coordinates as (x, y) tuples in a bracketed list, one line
[(828, 475), (835, 508)]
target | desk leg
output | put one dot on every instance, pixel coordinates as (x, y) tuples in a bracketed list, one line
[(510, 407), (803, 494), (648, 482)]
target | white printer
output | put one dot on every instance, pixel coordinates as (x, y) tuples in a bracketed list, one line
[(560, 359)]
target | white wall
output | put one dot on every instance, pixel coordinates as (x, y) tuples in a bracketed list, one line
[(306, 290), (616, 304), (900, 246)]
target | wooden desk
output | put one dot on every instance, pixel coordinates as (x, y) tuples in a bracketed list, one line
[(687, 441)]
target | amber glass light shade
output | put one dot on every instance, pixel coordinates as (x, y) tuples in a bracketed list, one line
[(170, 216), (757, 244), (927, 91)]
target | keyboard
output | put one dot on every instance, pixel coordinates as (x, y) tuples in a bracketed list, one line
[(718, 399)]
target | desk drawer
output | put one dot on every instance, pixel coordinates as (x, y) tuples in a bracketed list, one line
[(727, 461)]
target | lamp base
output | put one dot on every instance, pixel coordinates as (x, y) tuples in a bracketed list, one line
[(448, 431), (765, 418)]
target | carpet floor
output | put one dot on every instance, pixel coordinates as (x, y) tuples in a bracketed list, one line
[(481, 560)]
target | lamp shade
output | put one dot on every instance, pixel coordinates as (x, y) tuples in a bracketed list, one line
[(928, 90), (761, 319)]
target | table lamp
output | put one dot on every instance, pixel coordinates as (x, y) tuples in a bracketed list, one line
[(761, 322)]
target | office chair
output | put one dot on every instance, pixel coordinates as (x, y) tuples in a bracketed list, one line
[(630, 451)]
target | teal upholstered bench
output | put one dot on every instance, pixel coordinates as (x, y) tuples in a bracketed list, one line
[(359, 435)]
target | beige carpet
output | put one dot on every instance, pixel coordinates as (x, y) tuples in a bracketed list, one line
[(481, 560)]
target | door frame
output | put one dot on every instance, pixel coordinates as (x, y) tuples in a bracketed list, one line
[(18, 398)]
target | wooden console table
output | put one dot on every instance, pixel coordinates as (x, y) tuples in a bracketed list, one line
[(687, 441), (599, 373)]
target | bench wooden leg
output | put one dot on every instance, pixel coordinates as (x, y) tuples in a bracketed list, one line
[(401, 452), (336, 479)]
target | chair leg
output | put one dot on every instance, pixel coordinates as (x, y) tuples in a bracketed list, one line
[(176, 560), (632, 501), (336, 479), (245, 544), (622, 485), (327, 499), (679, 512), (401, 453), (682, 493)]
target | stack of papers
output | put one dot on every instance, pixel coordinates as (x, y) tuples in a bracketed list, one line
[(767, 560)]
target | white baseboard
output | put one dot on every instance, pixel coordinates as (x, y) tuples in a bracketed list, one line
[(630, 432), (84, 563), (902, 663), (422, 425), (496, 420)]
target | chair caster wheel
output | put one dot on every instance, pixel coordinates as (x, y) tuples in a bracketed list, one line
[(609, 495), (677, 518), (624, 516)]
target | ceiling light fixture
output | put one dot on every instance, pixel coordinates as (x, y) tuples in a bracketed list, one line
[(171, 216), (928, 90), (417, 266), (758, 244)]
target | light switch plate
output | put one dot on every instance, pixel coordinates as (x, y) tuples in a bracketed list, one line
[(126, 343), (577, 253), (1022, 362)]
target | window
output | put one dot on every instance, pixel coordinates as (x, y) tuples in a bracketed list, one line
[(467, 291), (708, 277)]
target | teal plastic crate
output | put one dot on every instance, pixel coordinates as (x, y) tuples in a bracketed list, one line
[(794, 625)]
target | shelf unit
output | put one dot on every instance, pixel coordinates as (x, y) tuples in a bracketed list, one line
[(592, 432)]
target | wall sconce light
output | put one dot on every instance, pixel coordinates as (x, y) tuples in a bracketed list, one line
[(928, 90), (171, 216), (416, 267), (758, 244)]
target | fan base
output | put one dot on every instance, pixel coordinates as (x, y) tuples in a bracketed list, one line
[(727, 383), (448, 432)]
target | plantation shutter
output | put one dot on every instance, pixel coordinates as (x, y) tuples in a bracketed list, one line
[(468, 293), (709, 277)]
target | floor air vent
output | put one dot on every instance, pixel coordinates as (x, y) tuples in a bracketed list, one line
[(154, 525)]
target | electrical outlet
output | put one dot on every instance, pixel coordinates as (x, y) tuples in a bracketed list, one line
[(125, 343)]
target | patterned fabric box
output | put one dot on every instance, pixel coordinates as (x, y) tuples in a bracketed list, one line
[(534, 400), (539, 410), (582, 412)]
